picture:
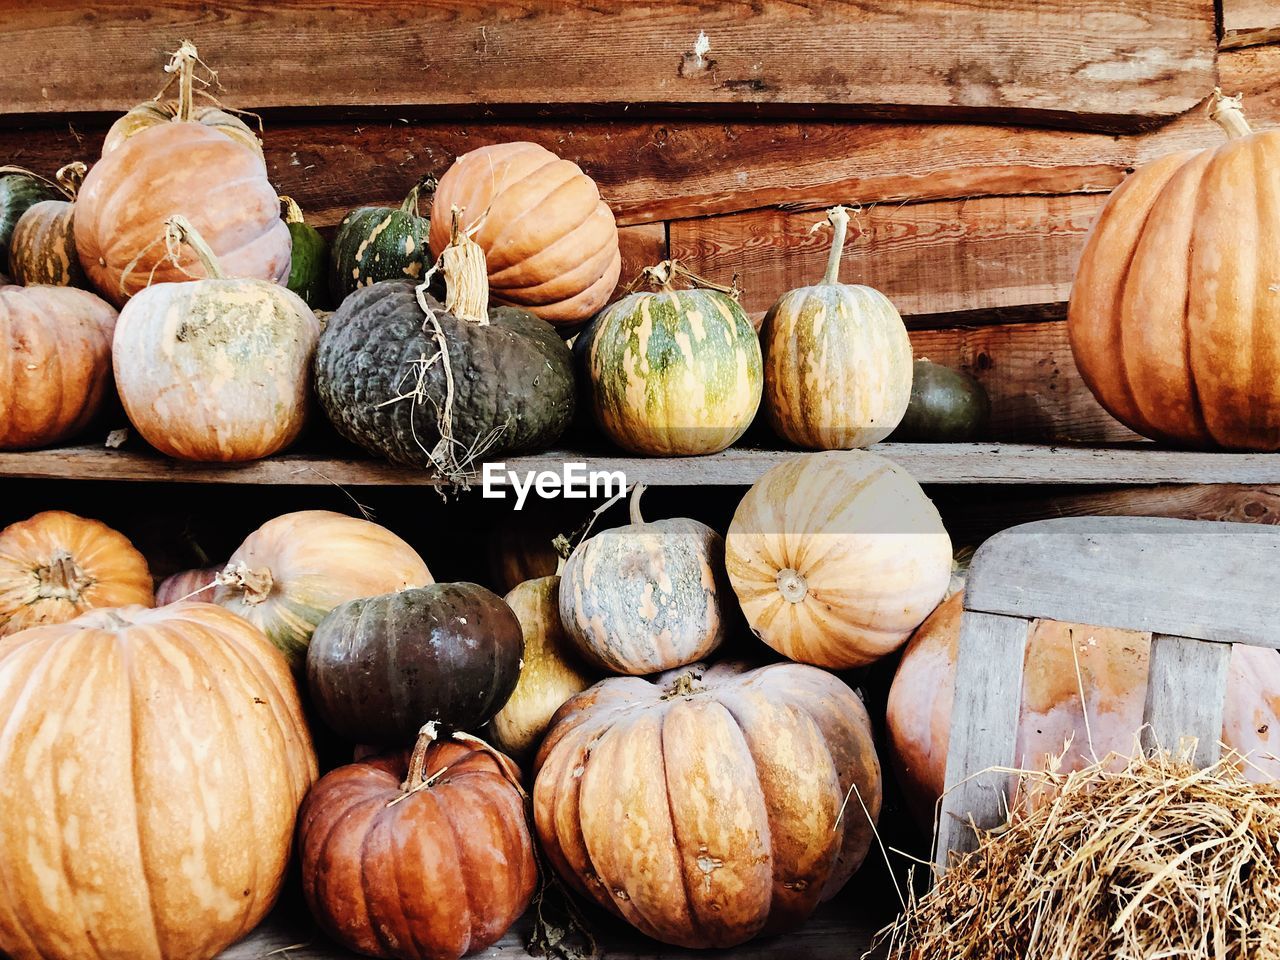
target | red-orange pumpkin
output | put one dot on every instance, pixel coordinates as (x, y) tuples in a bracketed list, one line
[(197, 584)]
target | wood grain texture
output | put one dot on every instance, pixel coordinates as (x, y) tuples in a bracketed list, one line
[(1248, 22), (1186, 696), (984, 730), (1198, 579)]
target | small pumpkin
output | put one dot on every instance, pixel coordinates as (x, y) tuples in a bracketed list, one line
[(550, 241), (158, 111), (674, 372), (19, 191), (379, 243), (215, 369), (57, 341), (378, 668), (837, 557), (837, 360), (441, 386), (197, 584), (56, 566), (708, 808), (418, 856), (43, 246), (646, 597), (297, 567), (309, 259), (946, 406), (552, 670), (158, 758)]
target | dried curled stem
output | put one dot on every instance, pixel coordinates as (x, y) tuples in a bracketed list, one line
[(662, 275)]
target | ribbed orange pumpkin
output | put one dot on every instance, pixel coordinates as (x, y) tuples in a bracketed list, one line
[(1174, 312), (550, 241), (56, 566), (151, 771), (55, 363)]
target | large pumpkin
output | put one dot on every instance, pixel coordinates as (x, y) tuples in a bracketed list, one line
[(56, 566), (443, 386), (551, 243), (1174, 301), (1063, 659), (837, 360), (378, 668), (673, 372), (152, 768), (379, 243), (19, 190), (709, 809), (294, 569), (43, 246), (646, 597), (422, 856), (836, 557), (57, 371), (215, 369)]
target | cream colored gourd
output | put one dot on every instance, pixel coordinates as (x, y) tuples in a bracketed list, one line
[(837, 360)]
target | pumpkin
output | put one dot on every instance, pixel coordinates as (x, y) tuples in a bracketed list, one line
[(837, 557), (1174, 296), (505, 384), (309, 258), (57, 347), (20, 190), (551, 243), (646, 597), (297, 567), (420, 856), (43, 246), (709, 808), (184, 109), (1063, 659), (56, 566), (197, 584), (674, 372), (215, 369), (174, 756), (837, 360), (378, 668), (521, 545), (552, 671), (378, 243), (946, 406)]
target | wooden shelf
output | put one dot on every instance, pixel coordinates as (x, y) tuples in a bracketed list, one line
[(947, 463)]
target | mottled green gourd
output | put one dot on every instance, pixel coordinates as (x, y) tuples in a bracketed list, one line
[(42, 249), (672, 372), (19, 190), (379, 243), (837, 360), (946, 406), (309, 260)]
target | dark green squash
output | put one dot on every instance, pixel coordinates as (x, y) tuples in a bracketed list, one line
[(379, 243), (505, 384), (379, 668), (946, 406), (19, 190), (309, 261)]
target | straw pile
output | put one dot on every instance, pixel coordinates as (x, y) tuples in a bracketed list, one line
[(1144, 858)]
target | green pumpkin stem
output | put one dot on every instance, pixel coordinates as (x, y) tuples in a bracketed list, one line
[(1227, 113), (179, 230), (466, 276), (183, 63), (838, 217), (637, 518), (292, 212)]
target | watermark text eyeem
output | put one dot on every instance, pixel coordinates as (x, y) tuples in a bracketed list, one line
[(573, 481)]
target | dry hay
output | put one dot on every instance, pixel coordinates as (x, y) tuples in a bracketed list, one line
[(1145, 858)]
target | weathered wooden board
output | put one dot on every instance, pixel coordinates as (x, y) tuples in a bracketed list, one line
[(1110, 63), (1248, 22), (1186, 696)]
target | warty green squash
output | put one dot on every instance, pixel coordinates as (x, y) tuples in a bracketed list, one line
[(379, 243)]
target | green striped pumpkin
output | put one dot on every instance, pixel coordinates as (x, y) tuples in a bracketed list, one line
[(308, 259), (19, 191), (43, 246), (673, 372), (379, 243)]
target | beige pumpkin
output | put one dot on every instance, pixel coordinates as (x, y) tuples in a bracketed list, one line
[(837, 360), (216, 369), (837, 557)]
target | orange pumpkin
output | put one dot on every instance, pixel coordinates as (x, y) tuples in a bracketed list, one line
[(56, 566), (1174, 304), (550, 241), (705, 808), (157, 758), (56, 344)]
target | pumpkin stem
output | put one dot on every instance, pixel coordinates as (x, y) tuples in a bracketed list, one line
[(413, 780), (792, 585), (838, 217), (636, 493), (183, 63), (466, 276), (292, 212), (256, 584), (662, 274), (70, 177), (62, 579), (1227, 113), (179, 230)]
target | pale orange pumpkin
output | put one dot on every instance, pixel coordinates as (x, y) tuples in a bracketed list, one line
[(56, 566), (152, 765), (56, 368), (550, 241), (1174, 309)]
